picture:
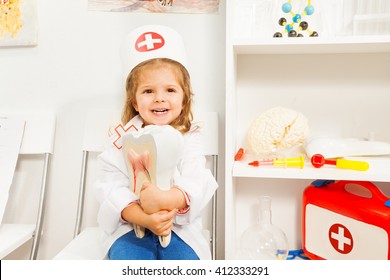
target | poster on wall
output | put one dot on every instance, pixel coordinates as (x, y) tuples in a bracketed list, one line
[(18, 23), (155, 6)]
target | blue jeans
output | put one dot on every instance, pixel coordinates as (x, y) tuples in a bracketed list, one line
[(130, 247)]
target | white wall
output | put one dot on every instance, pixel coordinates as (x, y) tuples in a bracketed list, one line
[(76, 66)]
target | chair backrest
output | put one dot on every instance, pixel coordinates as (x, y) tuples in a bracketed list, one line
[(39, 131), (99, 126), (210, 131), (209, 121), (38, 139)]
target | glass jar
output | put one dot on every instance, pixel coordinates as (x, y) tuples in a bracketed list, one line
[(264, 240)]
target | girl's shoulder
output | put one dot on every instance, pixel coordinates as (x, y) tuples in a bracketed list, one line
[(195, 132), (196, 127)]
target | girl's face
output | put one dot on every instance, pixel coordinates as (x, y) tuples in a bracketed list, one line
[(159, 97)]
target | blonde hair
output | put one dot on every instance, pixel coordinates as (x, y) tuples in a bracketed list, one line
[(183, 121)]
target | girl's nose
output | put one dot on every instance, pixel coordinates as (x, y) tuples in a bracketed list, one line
[(159, 97)]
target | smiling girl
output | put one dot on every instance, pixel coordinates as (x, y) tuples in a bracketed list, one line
[(158, 92)]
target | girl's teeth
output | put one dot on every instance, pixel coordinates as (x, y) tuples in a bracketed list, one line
[(160, 111)]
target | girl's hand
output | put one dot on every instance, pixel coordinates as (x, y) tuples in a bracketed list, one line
[(161, 223), (151, 198)]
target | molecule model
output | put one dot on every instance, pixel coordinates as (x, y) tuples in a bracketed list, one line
[(290, 28)]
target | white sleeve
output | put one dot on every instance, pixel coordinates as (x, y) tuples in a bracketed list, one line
[(194, 178), (112, 190)]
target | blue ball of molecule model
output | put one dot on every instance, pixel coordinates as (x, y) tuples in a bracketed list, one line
[(286, 7), (309, 10), (297, 18)]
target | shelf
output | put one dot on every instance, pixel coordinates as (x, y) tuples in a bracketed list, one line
[(317, 45), (340, 83), (378, 172)]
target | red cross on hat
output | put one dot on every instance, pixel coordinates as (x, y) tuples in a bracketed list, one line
[(152, 41), (149, 41)]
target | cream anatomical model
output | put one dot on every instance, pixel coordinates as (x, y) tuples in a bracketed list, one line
[(152, 155), (277, 129)]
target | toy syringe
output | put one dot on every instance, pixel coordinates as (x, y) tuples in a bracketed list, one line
[(280, 162)]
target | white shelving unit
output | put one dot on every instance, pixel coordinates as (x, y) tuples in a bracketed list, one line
[(341, 84)]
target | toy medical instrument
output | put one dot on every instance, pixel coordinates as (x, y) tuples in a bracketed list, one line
[(240, 153), (296, 18), (281, 162), (344, 147), (296, 254), (318, 160)]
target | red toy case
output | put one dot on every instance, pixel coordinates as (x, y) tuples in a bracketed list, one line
[(339, 224)]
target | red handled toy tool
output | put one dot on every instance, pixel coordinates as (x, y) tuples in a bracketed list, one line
[(318, 160)]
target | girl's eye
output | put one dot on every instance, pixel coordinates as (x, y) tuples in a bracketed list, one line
[(171, 90), (148, 91)]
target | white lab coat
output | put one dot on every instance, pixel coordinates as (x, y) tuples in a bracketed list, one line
[(113, 192)]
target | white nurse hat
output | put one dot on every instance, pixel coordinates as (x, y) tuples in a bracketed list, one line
[(152, 41)]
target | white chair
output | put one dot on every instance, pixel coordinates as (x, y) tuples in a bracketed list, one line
[(38, 140), (86, 242)]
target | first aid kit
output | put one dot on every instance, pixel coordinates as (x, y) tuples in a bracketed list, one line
[(346, 220)]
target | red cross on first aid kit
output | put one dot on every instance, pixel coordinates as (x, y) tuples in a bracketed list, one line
[(346, 220)]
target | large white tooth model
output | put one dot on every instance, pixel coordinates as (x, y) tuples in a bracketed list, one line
[(152, 155), (343, 147)]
